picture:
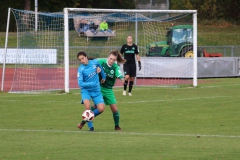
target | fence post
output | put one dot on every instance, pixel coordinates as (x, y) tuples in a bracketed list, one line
[(232, 51), (224, 51)]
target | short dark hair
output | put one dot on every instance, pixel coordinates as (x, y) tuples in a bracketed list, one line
[(81, 53)]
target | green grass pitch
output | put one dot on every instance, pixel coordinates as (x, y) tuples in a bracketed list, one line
[(182, 123)]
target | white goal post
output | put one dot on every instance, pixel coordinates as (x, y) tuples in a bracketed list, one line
[(66, 33)]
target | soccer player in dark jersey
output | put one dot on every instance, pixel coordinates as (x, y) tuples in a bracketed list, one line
[(113, 72), (129, 51)]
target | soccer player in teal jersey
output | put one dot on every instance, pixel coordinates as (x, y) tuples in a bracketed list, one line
[(88, 81), (130, 51), (113, 72)]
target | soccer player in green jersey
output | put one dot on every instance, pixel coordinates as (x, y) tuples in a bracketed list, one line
[(113, 72)]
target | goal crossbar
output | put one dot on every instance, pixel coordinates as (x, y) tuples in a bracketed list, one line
[(129, 10)]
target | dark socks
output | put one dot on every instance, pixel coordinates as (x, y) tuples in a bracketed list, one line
[(125, 85), (130, 86)]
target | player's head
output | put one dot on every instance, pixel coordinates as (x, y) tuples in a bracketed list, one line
[(129, 40), (115, 56), (82, 57)]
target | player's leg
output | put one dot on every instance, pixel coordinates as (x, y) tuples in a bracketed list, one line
[(125, 85), (86, 102), (87, 105), (110, 99), (131, 79), (80, 125), (126, 70), (99, 102), (93, 107), (100, 108), (116, 116)]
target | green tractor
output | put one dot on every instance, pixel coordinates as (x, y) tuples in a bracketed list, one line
[(179, 43)]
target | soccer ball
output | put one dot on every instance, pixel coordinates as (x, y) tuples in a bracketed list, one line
[(88, 115)]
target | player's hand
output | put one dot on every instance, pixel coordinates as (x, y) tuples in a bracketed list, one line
[(98, 69), (123, 80), (139, 65), (102, 81)]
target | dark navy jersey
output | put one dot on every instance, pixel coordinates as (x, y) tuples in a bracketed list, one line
[(129, 52)]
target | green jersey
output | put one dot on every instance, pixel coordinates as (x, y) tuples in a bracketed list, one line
[(112, 73)]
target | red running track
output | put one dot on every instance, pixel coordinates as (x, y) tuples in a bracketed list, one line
[(54, 78)]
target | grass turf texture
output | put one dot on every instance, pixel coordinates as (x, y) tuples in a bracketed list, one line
[(158, 123)]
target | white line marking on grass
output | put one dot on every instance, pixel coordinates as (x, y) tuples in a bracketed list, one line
[(219, 86), (183, 99), (124, 133), (117, 89)]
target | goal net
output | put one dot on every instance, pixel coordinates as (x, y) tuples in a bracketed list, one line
[(48, 43)]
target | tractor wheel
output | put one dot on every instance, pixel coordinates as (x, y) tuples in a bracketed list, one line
[(189, 54), (185, 50)]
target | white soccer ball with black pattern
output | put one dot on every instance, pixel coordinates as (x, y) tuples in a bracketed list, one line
[(88, 115)]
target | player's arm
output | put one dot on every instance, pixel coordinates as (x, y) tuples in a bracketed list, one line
[(122, 50), (118, 73), (101, 72), (98, 68), (138, 58)]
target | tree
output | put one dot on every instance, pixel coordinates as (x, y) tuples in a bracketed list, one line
[(211, 9), (107, 4)]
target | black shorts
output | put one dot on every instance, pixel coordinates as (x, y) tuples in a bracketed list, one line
[(130, 69)]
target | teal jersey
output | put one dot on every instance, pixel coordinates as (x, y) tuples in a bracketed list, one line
[(112, 73), (88, 79)]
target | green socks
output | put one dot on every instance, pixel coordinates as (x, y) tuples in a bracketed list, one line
[(116, 117)]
